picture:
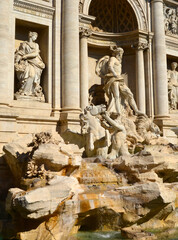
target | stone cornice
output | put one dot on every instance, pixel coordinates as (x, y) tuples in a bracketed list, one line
[(34, 9), (171, 2), (154, 1)]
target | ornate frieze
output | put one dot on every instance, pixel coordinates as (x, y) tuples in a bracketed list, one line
[(171, 19), (33, 9)]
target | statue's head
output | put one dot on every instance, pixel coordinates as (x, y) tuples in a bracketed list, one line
[(174, 65), (33, 35), (117, 51)]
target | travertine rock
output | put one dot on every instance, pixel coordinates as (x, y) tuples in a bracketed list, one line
[(137, 234), (32, 156), (17, 155), (44, 201), (131, 190)]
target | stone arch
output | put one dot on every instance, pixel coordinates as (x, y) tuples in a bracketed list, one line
[(136, 7)]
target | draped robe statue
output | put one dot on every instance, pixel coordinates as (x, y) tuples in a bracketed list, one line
[(29, 67), (110, 69)]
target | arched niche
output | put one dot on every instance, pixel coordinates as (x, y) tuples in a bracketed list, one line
[(134, 4)]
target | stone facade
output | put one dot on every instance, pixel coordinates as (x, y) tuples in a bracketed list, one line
[(72, 37), (148, 35), (55, 59)]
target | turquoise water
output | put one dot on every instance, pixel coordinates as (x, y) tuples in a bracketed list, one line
[(98, 235), (106, 235)]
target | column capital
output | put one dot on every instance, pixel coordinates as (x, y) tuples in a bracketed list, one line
[(154, 1), (140, 45), (85, 32)]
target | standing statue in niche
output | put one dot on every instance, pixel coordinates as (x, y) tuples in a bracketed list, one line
[(173, 86), (110, 70), (29, 67)]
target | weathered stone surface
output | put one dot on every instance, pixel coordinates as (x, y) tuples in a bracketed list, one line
[(126, 205), (17, 155), (164, 165), (137, 234), (55, 158), (44, 201), (51, 157), (128, 191), (32, 156)]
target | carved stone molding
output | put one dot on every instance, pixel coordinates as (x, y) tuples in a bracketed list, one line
[(84, 32), (140, 14), (34, 9), (136, 6), (81, 6), (140, 45)]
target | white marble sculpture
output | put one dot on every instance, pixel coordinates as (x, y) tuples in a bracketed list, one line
[(109, 131), (118, 136), (29, 67), (173, 86), (96, 138), (171, 20), (110, 70), (103, 128)]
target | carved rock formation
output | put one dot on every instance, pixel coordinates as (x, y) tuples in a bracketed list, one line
[(68, 193)]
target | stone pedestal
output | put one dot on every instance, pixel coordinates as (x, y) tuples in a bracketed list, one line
[(159, 59), (168, 127)]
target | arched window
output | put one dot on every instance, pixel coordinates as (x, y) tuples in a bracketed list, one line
[(114, 16)]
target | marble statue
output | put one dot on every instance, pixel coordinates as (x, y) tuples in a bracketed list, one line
[(173, 86), (110, 70), (110, 131), (118, 136), (171, 20), (29, 67), (96, 138), (147, 129)]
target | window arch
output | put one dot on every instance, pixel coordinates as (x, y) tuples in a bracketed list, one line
[(114, 16)]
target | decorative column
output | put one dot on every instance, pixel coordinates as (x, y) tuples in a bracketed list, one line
[(159, 58), (140, 76), (57, 59), (70, 86), (84, 34), (6, 47), (149, 78)]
